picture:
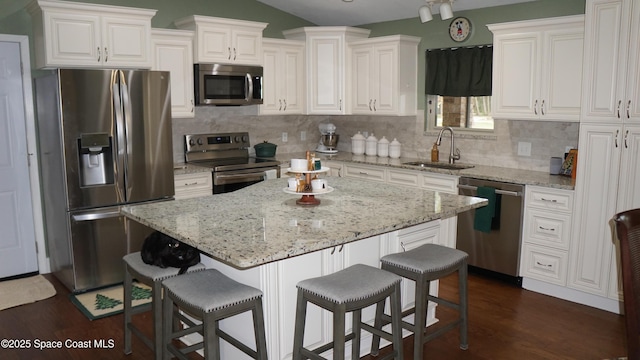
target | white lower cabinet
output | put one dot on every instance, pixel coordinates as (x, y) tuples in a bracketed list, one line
[(546, 234), (192, 185)]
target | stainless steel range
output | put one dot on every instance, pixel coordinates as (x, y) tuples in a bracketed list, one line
[(227, 154)]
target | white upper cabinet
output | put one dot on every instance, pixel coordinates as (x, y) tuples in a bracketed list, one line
[(537, 69), (612, 61), (384, 75), (221, 40), (326, 65), (173, 51), (283, 81), (70, 34)]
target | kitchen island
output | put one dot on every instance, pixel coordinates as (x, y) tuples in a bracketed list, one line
[(259, 236)]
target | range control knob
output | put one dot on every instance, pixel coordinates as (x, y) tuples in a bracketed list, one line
[(237, 139), (245, 138), (200, 142), (192, 142)]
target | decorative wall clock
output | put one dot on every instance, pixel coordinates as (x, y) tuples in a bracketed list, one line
[(460, 29)]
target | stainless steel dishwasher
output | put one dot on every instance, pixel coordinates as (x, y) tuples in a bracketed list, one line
[(498, 251)]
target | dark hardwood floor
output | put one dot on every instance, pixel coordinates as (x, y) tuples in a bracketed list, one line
[(505, 322)]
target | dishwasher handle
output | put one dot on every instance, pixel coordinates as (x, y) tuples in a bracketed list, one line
[(498, 191)]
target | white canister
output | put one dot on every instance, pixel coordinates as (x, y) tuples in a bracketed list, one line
[(371, 146), (394, 149), (357, 144), (383, 147)]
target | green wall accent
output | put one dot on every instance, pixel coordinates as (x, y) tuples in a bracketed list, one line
[(435, 34)]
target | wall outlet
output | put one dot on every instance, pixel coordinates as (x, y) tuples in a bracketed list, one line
[(285, 137), (303, 135), (524, 148)]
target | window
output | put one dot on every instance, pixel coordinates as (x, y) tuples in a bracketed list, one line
[(458, 88), (472, 112)]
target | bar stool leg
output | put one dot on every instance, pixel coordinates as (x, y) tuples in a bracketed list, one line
[(210, 337), (463, 291), (258, 324), (339, 313), (355, 344), (301, 315), (396, 323), (128, 280), (167, 308), (156, 305), (375, 342), (421, 302)]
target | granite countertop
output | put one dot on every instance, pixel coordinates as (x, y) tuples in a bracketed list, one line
[(182, 169), (493, 173), (261, 223)]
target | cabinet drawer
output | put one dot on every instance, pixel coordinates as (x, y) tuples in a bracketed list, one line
[(442, 183), (364, 172), (193, 185), (548, 198), (548, 228), (409, 178), (545, 264)]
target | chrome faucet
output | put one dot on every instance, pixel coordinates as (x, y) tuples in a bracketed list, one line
[(453, 156)]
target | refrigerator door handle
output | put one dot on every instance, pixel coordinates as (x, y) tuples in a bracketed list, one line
[(120, 134), (127, 122), (96, 216)]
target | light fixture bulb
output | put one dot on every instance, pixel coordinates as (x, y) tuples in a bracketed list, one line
[(425, 13), (445, 11)]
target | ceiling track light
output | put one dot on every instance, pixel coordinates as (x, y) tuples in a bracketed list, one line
[(426, 11)]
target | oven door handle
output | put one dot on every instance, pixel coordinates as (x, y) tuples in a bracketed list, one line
[(242, 177)]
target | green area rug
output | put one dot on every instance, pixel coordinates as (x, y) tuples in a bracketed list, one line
[(108, 301)]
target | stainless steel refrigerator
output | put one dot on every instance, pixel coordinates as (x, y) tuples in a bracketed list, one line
[(104, 142)]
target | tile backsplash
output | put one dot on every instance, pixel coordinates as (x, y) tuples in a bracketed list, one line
[(500, 148)]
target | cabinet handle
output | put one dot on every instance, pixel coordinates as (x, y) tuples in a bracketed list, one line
[(106, 54), (192, 107), (549, 200), (535, 108), (402, 246), (542, 108), (333, 250), (616, 140), (280, 108), (545, 265), (99, 54), (370, 105), (340, 105), (364, 173), (374, 105), (626, 135), (628, 106), (285, 104), (234, 53), (341, 247), (229, 56), (547, 229), (191, 184), (618, 110)]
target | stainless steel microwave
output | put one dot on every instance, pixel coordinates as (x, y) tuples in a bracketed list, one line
[(225, 84)]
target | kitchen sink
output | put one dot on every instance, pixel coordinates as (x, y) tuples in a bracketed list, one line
[(438, 165)]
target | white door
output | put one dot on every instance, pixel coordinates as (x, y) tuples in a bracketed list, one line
[(18, 241)]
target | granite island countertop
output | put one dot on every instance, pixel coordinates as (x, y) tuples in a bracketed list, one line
[(493, 173), (261, 223)]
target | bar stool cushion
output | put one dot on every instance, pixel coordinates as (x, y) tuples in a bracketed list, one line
[(354, 283), (433, 260), (209, 290), (152, 272)]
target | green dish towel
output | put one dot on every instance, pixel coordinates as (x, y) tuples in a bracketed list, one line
[(484, 215)]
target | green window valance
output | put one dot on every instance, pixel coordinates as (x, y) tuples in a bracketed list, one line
[(459, 71)]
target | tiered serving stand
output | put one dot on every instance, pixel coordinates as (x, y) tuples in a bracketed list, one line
[(308, 195)]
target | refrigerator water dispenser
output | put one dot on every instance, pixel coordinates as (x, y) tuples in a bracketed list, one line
[(96, 161)]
